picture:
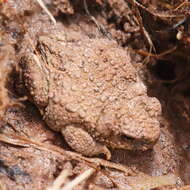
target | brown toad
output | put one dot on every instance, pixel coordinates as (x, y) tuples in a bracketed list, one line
[(88, 90)]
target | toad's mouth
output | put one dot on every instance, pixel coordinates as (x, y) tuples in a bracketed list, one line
[(135, 143), (128, 143)]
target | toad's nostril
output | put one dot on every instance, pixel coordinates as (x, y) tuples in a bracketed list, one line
[(127, 138)]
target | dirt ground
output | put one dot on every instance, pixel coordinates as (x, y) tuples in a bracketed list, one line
[(32, 156)]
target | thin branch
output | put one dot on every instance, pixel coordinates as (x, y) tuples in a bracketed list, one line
[(181, 5), (144, 53), (85, 175), (59, 181), (99, 26), (143, 30), (41, 3), (92, 162), (162, 15)]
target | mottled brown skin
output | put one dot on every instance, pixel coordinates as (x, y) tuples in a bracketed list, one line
[(88, 90)]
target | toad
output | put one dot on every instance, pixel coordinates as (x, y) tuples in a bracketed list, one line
[(87, 89)]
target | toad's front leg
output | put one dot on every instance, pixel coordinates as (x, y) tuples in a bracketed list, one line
[(81, 141)]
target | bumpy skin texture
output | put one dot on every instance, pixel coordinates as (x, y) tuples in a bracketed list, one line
[(88, 90)]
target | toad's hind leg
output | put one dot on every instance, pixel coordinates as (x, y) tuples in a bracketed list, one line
[(81, 141)]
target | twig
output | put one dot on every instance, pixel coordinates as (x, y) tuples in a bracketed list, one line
[(143, 30), (181, 5), (59, 181), (79, 179), (156, 14), (186, 187), (99, 26), (2, 186), (41, 3), (92, 162), (144, 53), (12, 141)]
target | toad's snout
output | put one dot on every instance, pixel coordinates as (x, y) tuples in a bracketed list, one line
[(140, 127), (143, 131)]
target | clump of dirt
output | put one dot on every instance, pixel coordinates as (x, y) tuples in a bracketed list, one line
[(156, 34), (4, 100), (7, 52)]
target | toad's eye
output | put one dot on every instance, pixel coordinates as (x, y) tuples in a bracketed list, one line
[(127, 138)]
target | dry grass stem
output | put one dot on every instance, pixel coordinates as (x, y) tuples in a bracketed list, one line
[(181, 5), (12, 141), (41, 3), (186, 187), (169, 51), (2, 186), (143, 30), (59, 181), (155, 182), (85, 175), (91, 162), (161, 15), (99, 26)]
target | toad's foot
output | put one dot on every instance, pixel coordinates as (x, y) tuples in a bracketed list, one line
[(81, 141)]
